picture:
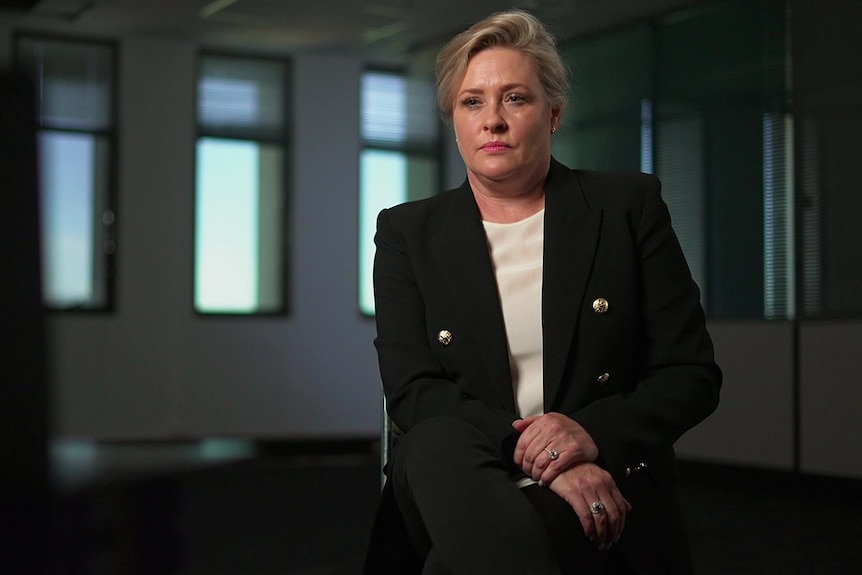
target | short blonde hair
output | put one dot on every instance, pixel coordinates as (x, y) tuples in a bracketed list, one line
[(515, 29)]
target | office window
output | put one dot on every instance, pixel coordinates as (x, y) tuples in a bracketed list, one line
[(400, 159), (725, 67), (75, 85), (240, 195), (827, 106), (699, 97)]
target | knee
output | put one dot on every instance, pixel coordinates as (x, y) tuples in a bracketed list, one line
[(439, 441)]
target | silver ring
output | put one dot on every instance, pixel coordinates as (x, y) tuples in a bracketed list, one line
[(596, 507), (552, 453)]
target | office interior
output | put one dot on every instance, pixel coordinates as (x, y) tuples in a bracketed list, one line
[(151, 438)]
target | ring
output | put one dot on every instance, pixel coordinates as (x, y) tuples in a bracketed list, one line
[(552, 453), (596, 507)]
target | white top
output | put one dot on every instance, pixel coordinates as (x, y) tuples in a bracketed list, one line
[(516, 252)]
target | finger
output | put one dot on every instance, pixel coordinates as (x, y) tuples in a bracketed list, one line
[(521, 424), (550, 468), (600, 522), (608, 518), (545, 466), (616, 508), (588, 524), (530, 445), (524, 439), (624, 507), (547, 457), (538, 457)]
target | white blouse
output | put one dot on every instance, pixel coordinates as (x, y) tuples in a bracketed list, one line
[(516, 252)]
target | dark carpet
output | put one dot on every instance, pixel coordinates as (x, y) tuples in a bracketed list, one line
[(306, 513)]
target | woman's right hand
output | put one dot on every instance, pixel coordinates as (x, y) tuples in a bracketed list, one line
[(584, 484)]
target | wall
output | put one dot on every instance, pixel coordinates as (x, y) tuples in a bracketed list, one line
[(754, 422), (153, 369)]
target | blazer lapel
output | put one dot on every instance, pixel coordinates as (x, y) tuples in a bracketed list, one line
[(462, 252), (571, 236)]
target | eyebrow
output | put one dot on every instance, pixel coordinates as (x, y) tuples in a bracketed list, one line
[(505, 88)]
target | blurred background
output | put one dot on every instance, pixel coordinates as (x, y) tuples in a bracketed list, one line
[(187, 377)]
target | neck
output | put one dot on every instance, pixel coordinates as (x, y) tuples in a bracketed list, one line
[(507, 202), (506, 210)]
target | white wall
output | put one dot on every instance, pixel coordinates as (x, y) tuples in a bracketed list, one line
[(754, 422), (831, 398), (766, 382)]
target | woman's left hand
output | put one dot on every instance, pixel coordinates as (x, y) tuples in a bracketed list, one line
[(545, 436)]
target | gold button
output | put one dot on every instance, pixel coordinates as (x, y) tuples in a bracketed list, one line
[(600, 305), (603, 378), (444, 336)]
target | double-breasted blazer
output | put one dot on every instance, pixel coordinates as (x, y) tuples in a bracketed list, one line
[(626, 351)]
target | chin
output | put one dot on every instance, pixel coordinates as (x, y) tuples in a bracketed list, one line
[(498, 171)]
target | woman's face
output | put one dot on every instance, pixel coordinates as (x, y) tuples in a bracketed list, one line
[(503, 119)]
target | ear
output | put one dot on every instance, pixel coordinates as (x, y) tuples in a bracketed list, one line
[(556, 114)]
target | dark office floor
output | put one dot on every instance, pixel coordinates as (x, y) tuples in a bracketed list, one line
[(291, 513)]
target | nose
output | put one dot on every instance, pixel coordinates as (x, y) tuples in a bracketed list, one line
[(494, 120)]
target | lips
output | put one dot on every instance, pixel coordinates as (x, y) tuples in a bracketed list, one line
[(495, 147)]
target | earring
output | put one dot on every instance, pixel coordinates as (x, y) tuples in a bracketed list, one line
[(553, 129)]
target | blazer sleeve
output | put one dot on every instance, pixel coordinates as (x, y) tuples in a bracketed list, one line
[(678, 381), (416, 384)]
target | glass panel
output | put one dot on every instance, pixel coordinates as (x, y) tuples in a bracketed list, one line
[(384, 108), (74, 85), (400, 129), (240, 196), (74, 82), (827, 102), (719, 69), (779, 256), (238, 227), (680, 159), (811, 200), (74, 219), (241, 96), (603, 127), (399, 112), (241, 92), (383, 183)]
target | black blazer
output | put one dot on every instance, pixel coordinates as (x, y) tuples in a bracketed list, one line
[(636, 375)]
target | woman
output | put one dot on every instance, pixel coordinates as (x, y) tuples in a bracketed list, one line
[(540, 340)]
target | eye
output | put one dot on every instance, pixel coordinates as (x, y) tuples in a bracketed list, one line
[(515, 98), (470, 102)]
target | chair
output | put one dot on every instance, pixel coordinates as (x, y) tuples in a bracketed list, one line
[(389, 436)]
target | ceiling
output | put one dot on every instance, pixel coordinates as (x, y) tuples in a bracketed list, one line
[(382, 30)]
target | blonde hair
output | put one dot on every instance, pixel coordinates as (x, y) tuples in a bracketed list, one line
[(515, 29)]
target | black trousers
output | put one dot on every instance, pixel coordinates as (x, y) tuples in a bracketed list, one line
[(464, 513)]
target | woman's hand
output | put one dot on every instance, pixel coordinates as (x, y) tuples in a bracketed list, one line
[(544, 436), (593, 494)]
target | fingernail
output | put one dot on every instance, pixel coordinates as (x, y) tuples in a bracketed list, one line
[(541, 483)]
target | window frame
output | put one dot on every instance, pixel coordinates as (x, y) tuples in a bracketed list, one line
[(283, 141), (409, 150), (111, 137)]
